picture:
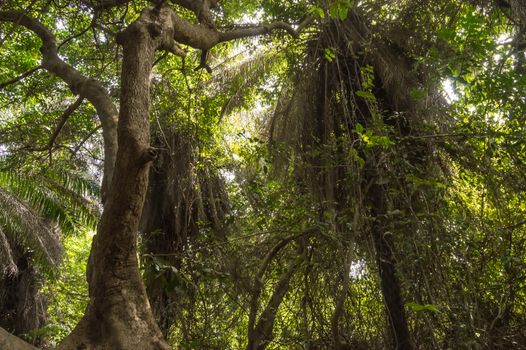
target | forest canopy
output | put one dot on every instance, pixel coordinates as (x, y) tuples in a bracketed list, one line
[(264, 174)]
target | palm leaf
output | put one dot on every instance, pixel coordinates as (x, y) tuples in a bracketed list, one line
[(36, 207), (21, 224), (65, 198), (7, 263)]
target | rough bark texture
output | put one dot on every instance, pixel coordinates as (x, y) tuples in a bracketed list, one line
[(11, 342), (119, 314)]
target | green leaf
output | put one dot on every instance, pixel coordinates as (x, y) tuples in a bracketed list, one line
[(419, 307), (329, 54), (317, 11), (366, 95), (447, 34), (358, 128)]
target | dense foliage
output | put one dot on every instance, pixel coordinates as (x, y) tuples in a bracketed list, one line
[(360, 186)]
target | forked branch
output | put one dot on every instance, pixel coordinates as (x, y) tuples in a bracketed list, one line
[(79, 84), (258, 278)]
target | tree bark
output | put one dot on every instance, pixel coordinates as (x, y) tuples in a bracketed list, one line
[(390, 285), (11, 342), (119, 314)]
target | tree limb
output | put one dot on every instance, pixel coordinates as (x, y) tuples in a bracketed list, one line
[(258, 278), (83, 141), (262, 333), (101, 5), (263, 29), (203, 36), (61, 122), (20, 77), (88, 88), (9, 341)]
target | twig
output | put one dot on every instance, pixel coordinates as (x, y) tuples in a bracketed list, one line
[(62, 121), (20, 77)]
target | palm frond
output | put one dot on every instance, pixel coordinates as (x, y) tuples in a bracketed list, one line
[(7, 263), (23, 225), (235, 79), (65, 198), (36, 206)]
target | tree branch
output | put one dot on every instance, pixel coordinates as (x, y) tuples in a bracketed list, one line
[(88, 88), (201, 8), (20, 77), (62, 121), (101, 5), (203, 36), (11, 342), (263, 29), (262, 333), (258, 278), (83, 141)]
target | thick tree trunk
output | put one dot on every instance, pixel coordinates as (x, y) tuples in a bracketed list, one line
[(119, 314)]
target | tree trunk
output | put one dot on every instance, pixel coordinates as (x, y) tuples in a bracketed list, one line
[(384, 245), (169, 219), (11, 342), (119, 314), (261, 335), (22, 306)]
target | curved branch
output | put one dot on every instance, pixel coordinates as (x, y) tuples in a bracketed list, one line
[(258, 278), (202, 37), (104, 4), (86, 138), (263, 29), (88, 88), (62, 121), (201, 8), (262, 333)]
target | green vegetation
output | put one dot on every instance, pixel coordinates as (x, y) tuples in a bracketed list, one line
[(353, 180)]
